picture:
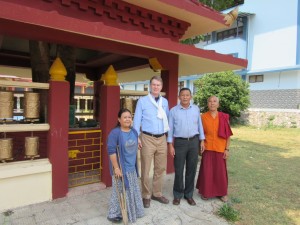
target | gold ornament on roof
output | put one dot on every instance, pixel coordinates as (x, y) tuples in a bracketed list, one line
[(110, 77), (58, 71), (231, 16), (155, 65)]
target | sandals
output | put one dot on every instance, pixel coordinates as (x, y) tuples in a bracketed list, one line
[(224, 198), (204, 198)]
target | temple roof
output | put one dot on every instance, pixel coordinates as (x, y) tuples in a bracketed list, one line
[(80, 26), (201, 18)]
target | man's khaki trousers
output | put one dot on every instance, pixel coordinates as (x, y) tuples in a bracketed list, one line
[(153, 148)]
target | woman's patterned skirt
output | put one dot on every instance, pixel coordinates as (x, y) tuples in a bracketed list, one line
[(135, 208)]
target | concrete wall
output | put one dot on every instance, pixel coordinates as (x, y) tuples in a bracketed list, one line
[(276, 99), (24, 183), (272, 117)]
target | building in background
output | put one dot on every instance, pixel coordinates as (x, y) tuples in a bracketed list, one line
[(267, 34), (271, 44)]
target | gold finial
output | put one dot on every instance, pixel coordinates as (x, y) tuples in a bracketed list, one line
[(231, 16), (110, 77), (57, 71), (155, 65)]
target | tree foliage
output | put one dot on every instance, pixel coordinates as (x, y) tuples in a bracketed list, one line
[(218, 4), (233, 92), (193, 40)]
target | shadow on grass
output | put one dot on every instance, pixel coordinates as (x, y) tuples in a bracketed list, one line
[(266, 182)]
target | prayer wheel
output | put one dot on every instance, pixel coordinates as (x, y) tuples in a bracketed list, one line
[(127, 103), (31, 147), (6, 104), (6, 148), (31, 105), (134, 105)]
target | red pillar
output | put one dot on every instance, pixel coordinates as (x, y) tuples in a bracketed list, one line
[(96, 99), (110, 106), (170, 87), (58, 118)]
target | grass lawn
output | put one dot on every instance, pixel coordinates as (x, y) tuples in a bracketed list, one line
[(264, 175)]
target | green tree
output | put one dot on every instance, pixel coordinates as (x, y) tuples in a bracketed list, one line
[(233, 92), (219, 4)]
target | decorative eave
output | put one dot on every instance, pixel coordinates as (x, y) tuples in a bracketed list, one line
[(190, 11), (54, 27)]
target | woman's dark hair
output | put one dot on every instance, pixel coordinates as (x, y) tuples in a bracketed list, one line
[(120, 114)]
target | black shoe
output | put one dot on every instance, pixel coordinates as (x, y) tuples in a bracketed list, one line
[(190, 201), (115, 219), (161, 199), (176, 201), (146, 202)]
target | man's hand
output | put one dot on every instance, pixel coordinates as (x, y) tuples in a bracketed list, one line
[(226, 154), (171, 150), (202, 147), (139, 144)]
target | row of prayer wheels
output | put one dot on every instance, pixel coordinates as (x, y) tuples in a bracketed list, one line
[(129, 103), (31, 105), (31, 148)]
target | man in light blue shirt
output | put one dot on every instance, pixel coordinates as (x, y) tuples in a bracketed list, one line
[(151, 122), (185, 137)]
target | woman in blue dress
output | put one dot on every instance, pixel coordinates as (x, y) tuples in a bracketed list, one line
[(126, 137)]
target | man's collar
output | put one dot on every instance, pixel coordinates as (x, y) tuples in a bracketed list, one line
[(181, 107), (154, 96)]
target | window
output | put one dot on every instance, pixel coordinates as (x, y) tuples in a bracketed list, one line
[(146, 87), (256, 78), (180, 85), (207, 38), (235, 32)]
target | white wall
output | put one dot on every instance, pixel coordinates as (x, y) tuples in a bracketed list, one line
[(24, 183), (277, 81), (229, 46), (272, 34)]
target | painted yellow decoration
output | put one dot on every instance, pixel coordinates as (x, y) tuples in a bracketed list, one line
[(57, 71), (155, 65), (73, 153), (231, 16), (110, 77)]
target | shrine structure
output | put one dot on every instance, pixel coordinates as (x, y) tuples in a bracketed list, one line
[(144, 32)]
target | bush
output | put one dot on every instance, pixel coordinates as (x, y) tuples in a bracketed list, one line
[(229, 213), (233, 92)]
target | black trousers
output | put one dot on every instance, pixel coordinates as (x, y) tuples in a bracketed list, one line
[(186, 154)]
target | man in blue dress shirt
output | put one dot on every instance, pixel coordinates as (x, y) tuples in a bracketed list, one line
[(184, 139), (151, 122)]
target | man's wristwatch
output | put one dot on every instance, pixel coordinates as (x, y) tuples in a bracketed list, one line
[(227, 149)]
